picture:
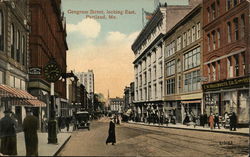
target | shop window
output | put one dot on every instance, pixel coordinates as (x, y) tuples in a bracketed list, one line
[(229, 32), (1, 31), (236, 29)]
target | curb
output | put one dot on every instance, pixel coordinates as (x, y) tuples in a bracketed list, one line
[(214, 131), (57, 152)]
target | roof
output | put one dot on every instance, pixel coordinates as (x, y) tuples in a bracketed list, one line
[(17, 94)]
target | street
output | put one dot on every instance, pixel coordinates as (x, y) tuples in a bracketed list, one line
[(137, 140)]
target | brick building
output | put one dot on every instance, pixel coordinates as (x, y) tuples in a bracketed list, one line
[(183, 67), (226, 57), (47, 40)]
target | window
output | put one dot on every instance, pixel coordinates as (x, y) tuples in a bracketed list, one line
[(228, 4), (12, 36), (1, 77), (193, 33), (218, 37), (149, 92), (192, 81), (236, 66), (160, 64), (172, 47), (235, 2), (236, 29), (178, 43), (170, 86), (12, 81), (198, 29), (208, 42), (1, 31), (243, 63), (155, 72), (229, 67), (218, 64), (170, 66), (229, 32), (213, 39), (192, 59), (149, 75), (189, 37), (218, 8), (18, 46), (155, 90), (209, 72), (213, 71), (242, 25), (213, 11), (178, 65), (184, 39), (178, 84), (208, 14)]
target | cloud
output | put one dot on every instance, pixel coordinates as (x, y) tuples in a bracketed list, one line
[(89, 28), (111, 61)]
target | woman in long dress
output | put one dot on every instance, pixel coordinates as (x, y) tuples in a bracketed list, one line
[(111, 137)]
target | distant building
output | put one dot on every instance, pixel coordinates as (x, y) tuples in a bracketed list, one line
[(87, 79), (116, 105)]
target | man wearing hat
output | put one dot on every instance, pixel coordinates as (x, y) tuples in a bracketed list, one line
[(30, 127), (8, 134)]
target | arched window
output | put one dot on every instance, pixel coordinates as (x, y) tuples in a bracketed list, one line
[(12, 40), (1, 31)]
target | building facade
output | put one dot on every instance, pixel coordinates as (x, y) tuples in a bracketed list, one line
[(87, 79), (183, 67), (116, 105), (149, 54), (14, 60), (47, 41), (226, 57)]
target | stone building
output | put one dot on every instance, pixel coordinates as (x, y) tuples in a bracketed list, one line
[(47, 41), (183, 67), (226, 57), (149, 54), (14, 59), (116, 105)]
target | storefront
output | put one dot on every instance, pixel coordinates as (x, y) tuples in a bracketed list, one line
[(231, 95), (18, 101)]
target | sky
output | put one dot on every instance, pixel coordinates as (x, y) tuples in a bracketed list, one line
[(104, 45)]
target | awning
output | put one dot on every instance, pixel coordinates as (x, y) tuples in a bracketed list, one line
[(20, 95), (191, 102)]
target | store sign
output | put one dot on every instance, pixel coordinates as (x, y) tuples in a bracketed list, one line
[(35, 71), (227, 83)]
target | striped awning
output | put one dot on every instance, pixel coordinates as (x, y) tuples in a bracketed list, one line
[(23, 97)]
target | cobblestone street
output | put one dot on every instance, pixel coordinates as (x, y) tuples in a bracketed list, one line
[(137, 140)]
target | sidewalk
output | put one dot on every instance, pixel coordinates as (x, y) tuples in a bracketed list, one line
[(239, 131), (44, 149)]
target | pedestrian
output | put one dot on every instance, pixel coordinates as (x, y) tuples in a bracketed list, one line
[(216, 121), (233, 121), (111, 137), (67, 121), (59, 122), (30, 127), (211, 121), (8, 134), (205, 120)]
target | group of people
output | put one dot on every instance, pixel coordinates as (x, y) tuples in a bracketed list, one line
[(8, 134), (64, 122)]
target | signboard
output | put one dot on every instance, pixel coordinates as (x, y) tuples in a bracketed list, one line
[(227, 83), (35, 71)]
